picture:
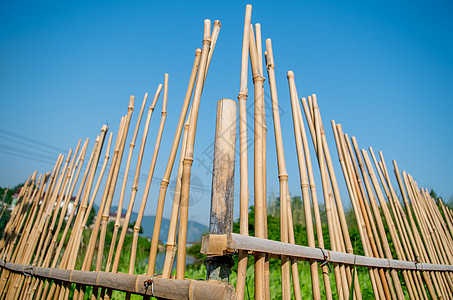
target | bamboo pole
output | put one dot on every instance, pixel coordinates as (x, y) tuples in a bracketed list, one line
[(188, 159), (171, 245), (123, 186), (312, 185), (3, 202), (135, 183), (414, 234), (150, 177), (362, 216), (282, 174), (393, 200), (308, 109), (171, 239), (259, 51), (258, 166), (381, 199), (244, 189), (69, 221), (104, 209)]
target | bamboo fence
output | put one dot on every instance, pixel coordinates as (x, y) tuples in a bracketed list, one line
[(47, 252)]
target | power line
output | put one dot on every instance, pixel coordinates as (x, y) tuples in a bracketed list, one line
[(26, 156), (15, 135), (13, 140), (27, 152)]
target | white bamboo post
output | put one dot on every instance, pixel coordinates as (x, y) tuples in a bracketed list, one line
[(222, 196)]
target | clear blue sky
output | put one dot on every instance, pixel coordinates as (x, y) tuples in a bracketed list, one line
[(383, 69)]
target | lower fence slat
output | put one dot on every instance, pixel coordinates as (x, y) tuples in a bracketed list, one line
[(162, 288)]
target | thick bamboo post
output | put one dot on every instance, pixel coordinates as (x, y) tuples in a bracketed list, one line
[(188, 159), (149, 179), (171, 244), (243, 156), (282, 173), (222, 196)]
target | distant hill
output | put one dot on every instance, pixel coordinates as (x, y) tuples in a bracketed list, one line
[(194, 232)]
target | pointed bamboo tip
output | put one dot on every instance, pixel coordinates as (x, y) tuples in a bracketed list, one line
[(290, 74)]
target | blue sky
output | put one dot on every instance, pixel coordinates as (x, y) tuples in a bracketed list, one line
[(384, 70)]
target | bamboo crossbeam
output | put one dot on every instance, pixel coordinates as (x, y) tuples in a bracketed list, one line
[(236, 241), (161, 287)]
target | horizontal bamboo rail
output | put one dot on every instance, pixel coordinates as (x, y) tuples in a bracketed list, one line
[(219, 244), (137, 284)]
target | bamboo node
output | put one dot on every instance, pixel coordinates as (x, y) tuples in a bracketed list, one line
[(242, 96), (283, 176), (258, 77)]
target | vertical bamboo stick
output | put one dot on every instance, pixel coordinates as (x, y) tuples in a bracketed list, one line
[(150, 177), (135, 182), (188, 159), (325, 270), (413, 235), (244, 190), (258, 167), (123, 187), (380, 197), (259, 51), (171, 239), (363, 221), (282, 173)]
